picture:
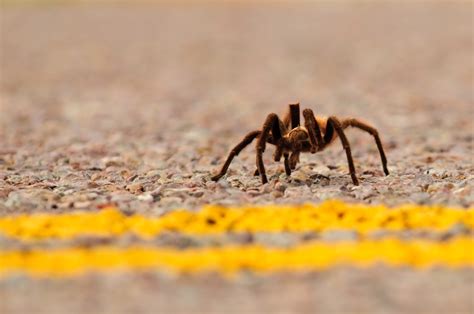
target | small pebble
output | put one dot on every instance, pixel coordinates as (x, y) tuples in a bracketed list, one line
[(147, 197), (135, 188)]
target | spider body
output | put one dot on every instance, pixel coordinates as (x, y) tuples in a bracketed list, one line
[(298, 139), (291, 139)]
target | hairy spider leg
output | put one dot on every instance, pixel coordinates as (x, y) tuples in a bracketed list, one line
[(292, 117), (371, 130), (272, 123), (314, 131), (294, 160), (333, 124), (287, 164), (295, 115), (235, 151)]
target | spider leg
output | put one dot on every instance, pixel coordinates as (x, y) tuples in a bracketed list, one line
[(294, 159), (235, 151), (292, 118), (295, 115), (314, 130), (371, 130), (287, 165), (333, 124), (272, 123), (278, 151)]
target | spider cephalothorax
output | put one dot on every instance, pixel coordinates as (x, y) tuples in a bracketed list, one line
[(291, 139)]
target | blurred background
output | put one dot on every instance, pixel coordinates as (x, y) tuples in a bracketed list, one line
[(195, 62)]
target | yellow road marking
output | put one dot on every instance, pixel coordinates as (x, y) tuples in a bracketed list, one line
[(217, 220), (457, 252)]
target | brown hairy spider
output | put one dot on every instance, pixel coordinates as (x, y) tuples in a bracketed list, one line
[(291, 139)]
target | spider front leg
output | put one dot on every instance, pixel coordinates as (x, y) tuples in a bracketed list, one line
[(287, 164), (235, 151), (373, 131), (333, 124), (294, 160), (272, 123), (314, 131)]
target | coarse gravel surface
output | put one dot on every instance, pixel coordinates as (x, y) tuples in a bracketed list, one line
[(137, 105)]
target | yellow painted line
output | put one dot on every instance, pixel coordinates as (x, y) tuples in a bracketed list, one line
[(211, 220), (458, 252), (331, 215)]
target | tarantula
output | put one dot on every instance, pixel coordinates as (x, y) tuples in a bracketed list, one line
[(291, 139)]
